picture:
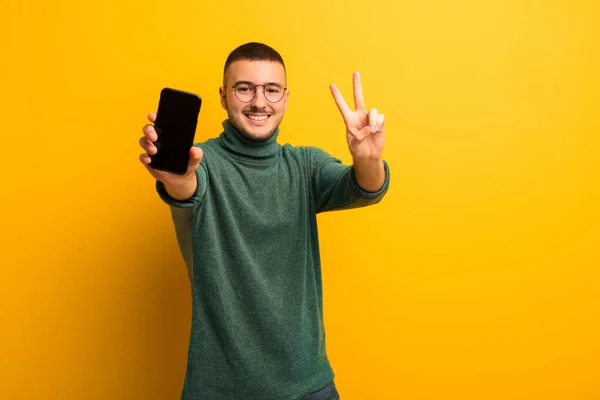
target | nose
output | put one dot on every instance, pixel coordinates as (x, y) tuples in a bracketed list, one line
[(259, 100)]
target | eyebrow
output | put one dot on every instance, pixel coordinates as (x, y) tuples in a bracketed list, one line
[(252, 83)]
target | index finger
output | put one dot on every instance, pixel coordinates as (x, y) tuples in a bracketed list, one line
[(339, 100), (152, 117), (359, 102)]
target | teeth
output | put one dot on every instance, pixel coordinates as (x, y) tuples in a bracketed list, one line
[(257, 117)]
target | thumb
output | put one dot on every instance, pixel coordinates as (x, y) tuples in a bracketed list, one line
[(196, 155)]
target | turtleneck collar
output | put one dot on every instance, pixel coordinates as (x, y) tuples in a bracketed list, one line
[(235, 141)]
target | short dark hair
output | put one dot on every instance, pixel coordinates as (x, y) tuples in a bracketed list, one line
[(253, 51)]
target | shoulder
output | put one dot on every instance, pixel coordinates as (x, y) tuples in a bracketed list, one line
[(305, 151), (311, 156)]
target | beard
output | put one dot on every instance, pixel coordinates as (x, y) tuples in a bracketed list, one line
[(258, 134)]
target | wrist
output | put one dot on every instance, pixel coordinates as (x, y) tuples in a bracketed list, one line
[(183, 181), (182, 188), (367, 162), (369, 174)]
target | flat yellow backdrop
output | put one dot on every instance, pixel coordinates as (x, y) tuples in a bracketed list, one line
[(477, 277)]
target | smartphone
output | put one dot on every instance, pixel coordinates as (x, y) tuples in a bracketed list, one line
[(175, 124)]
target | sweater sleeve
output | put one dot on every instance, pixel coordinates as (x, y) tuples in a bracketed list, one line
[(182, 213), (335, 187)]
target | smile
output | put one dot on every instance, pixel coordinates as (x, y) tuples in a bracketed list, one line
[(255, 117)]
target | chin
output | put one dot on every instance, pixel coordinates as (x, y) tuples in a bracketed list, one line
[(258, 135)]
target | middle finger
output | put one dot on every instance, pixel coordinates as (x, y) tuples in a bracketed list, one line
[(147, 145), (150, 132), (373, 118)]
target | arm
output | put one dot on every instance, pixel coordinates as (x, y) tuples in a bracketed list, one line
[(182, 190), (365, 133), (370, 175), (335, 185), (179, 188), (187, 193)]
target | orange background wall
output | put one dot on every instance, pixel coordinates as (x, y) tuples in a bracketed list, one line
[(478, 277)]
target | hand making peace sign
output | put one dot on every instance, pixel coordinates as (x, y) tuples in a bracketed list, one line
[(365, 132)]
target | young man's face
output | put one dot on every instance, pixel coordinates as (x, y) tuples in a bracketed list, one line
[(259, 118)]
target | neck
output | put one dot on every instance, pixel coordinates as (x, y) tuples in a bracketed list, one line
[(234, 140)]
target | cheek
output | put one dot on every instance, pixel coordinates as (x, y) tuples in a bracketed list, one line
[(231, 107), (281, 107), (235, 105)]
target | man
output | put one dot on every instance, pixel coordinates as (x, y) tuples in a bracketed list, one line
[(245, 218)]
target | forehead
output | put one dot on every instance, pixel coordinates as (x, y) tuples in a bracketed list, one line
[(255, 71)]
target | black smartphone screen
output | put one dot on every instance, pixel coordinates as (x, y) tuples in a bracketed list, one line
[(175, 124)]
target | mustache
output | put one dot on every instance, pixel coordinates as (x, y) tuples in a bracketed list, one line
[(256, 110)]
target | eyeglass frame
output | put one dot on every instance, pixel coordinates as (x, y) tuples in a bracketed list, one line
[(264, 85)]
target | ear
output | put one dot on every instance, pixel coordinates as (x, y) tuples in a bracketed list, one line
[(285, 100), (223, 96)]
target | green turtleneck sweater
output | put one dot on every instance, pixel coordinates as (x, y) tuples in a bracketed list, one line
[(249, 239)]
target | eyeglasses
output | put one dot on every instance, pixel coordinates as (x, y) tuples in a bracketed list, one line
[(246, 91)]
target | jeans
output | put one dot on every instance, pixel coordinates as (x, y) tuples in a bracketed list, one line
[(329, 392)]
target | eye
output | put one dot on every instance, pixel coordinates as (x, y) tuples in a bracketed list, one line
[(273, 89), (243, 88)]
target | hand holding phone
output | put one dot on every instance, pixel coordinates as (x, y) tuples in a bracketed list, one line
[(175, 126), (177, 169)]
